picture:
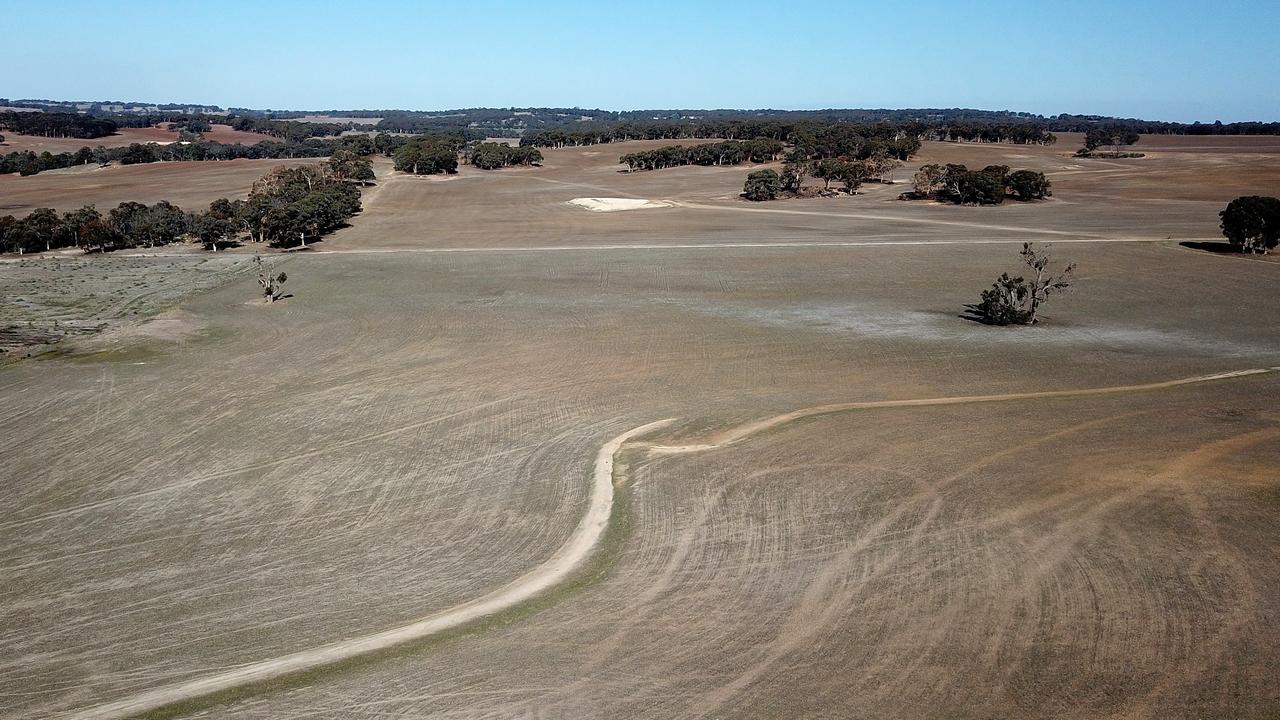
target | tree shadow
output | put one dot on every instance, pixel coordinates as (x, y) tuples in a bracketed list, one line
[(1212, 246), (973, 314)]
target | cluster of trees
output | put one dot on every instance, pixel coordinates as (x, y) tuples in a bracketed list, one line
[(130, 224), (769, 185), (293, 203), (988, 186), (63, 125), (492, 155), (1017, 300), (285, 208), (849, 173), (1252, 223), (348, 165), (430, 155), (729, 152), (1117, 137)]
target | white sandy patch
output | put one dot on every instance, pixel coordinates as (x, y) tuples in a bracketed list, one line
[(616, 204)]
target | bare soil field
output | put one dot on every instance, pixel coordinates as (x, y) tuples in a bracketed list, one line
[(419, 426), (227, 135), (125, 136), (1165, 195), (189, 185)]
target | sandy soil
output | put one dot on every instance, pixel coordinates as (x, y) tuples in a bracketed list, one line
[(615, 204), (417, 427)]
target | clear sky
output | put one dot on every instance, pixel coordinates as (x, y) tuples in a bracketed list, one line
[(1171, 60)]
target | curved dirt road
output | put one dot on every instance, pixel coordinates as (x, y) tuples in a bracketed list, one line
[(548, 574)]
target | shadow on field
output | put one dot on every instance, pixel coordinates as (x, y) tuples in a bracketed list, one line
[(1213, 247), (973, 314)]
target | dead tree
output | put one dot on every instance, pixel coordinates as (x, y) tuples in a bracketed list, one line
[(270, 282), (1017, 300), (1044, 283)]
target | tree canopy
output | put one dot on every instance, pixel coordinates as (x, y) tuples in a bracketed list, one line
[(427, 156), (1252, 223), (762, 185), (492, 155), (958, 184)]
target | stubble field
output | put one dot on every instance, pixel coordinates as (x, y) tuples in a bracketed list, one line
[(416, 427)]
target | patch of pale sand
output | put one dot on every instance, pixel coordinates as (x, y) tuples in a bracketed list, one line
[(174, 326), (616, 204)]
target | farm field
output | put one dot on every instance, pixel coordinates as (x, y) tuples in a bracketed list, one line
[(14, 142), (191, 185), (920, 531)]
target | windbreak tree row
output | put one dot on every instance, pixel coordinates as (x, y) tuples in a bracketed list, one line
[(30, 163), (285, 208), (730, 152)]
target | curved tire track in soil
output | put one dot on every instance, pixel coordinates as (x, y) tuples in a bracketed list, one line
[(735, 434), (554, 570), (569, 556)]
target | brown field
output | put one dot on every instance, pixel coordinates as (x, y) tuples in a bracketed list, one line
[(416, 427), (190, 185), (14, 142)]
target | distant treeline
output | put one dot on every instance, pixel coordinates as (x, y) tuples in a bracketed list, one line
[(515, 122), (64, 125), (823, 139)]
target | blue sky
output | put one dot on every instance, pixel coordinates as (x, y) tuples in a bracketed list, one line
[(1170, 60)]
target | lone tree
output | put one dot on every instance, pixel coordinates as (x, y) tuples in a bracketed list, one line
[(1017, 300), (762, 185), (1252, 223), (271, 282)]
